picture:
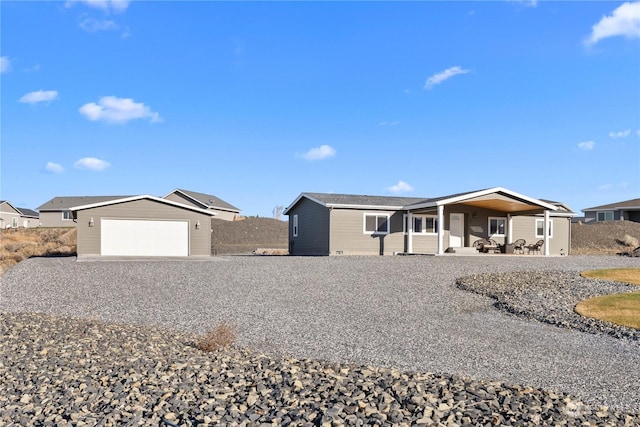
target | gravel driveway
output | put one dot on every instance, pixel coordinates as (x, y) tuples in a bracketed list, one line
[(394, 311)]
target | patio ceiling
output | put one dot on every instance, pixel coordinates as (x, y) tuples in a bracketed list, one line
[(502, 205)]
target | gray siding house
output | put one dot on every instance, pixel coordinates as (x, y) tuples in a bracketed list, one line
[(222, 209), (343, 224), (628, 210), (57, 213), (142, 226), (13, 217)]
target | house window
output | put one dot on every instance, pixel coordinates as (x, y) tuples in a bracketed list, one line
[(422, 224), (66, 215), (295, 226), (376, 223), (604, 216), (497, 226), (540, 228), (14, 222)]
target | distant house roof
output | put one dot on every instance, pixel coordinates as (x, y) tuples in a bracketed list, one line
[(64, 203), (28, 212), (206, 200), (134, 198), (391, 202), (627, 204)]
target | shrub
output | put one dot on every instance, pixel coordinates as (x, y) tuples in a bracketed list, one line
[(220, 337), (630, 241)]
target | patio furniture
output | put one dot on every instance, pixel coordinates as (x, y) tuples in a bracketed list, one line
[(479, 244), (492, 246), (535, 247), (518, 246)]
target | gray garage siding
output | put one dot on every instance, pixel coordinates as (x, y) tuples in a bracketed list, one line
[(524, 227), (89, 237), (313, 229), (220, 214), (54, 219)]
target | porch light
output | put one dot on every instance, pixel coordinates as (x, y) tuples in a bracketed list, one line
[(197, 225), (91, 222)]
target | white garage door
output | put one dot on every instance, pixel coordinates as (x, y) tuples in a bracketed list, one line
[(137, 237)]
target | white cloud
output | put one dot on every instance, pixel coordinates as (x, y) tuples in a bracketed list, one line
[(587, 145), (624, 21), (319, 153), (400, 187), (5, 64), (39, 96), (528, 3), (54, 167), (91, 25), (91, 163), (106, 5), (118, 110), (621, 134), (438, 78)]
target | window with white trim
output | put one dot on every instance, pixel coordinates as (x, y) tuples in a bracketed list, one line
[(422, 224), (604, 216), (66, 215), (376, 223), (14, 222), (497, 226), (295, 226), (540, 228)]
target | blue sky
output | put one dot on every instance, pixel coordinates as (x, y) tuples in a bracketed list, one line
[(256, 102)]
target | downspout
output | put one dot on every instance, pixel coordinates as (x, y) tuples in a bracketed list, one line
[(440, 229)]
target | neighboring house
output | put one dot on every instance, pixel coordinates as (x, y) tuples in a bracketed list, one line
[(628, 210), (222, 209), (142, 226), (56, 212), (341, 224), (12, 217)]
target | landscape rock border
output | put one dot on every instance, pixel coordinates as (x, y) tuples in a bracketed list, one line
[(550, 297)]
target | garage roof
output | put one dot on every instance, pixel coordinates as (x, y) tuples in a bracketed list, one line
[(145, 196)]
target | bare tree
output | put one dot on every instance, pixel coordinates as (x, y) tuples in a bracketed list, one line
[(277, 211)]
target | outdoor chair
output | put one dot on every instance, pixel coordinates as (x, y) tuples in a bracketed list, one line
[(518, 246), (535, 247), (479, 244)]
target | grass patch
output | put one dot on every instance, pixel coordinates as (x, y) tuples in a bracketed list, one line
[(19, 244), (624, 275), (220, 337), (621, 309)]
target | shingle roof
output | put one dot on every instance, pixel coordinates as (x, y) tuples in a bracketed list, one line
[(633, 203), (209, 200), (362, 200), (64, 203), (28, 212)]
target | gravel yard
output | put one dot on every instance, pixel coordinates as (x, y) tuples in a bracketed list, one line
[(401, 312)]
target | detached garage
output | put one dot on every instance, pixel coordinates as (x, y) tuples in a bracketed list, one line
[(144, 226)]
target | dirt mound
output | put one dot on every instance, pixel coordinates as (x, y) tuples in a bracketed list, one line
[(603, 237), (248, 236)]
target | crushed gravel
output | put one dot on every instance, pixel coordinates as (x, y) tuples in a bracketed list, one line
[(403, 313)]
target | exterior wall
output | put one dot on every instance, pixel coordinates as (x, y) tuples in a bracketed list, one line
[(7, 214), (313, 229), (54, 219), (29, 222), (220, 214), (347, 234), (524, 227), (89, 237)]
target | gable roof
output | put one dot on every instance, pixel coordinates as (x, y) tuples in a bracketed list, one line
[(28, 212), (331, 200), (2, 202), (626, 204), (134, 198), (508, 200), (65, 203), (206, 200)]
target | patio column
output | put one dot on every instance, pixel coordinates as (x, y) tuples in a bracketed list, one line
[(440, 229), (509, 229), (410, 233), (546, 233)]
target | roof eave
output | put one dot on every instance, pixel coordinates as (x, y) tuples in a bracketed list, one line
[(145, 196)]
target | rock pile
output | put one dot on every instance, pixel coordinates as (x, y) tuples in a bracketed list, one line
[(550, 296), (69, 372)]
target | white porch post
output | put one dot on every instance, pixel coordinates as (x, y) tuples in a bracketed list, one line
[(440, 229), (546, 233), (410, 232), (509, 229)]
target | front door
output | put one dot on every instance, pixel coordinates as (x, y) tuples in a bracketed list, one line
[(456, 230)]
